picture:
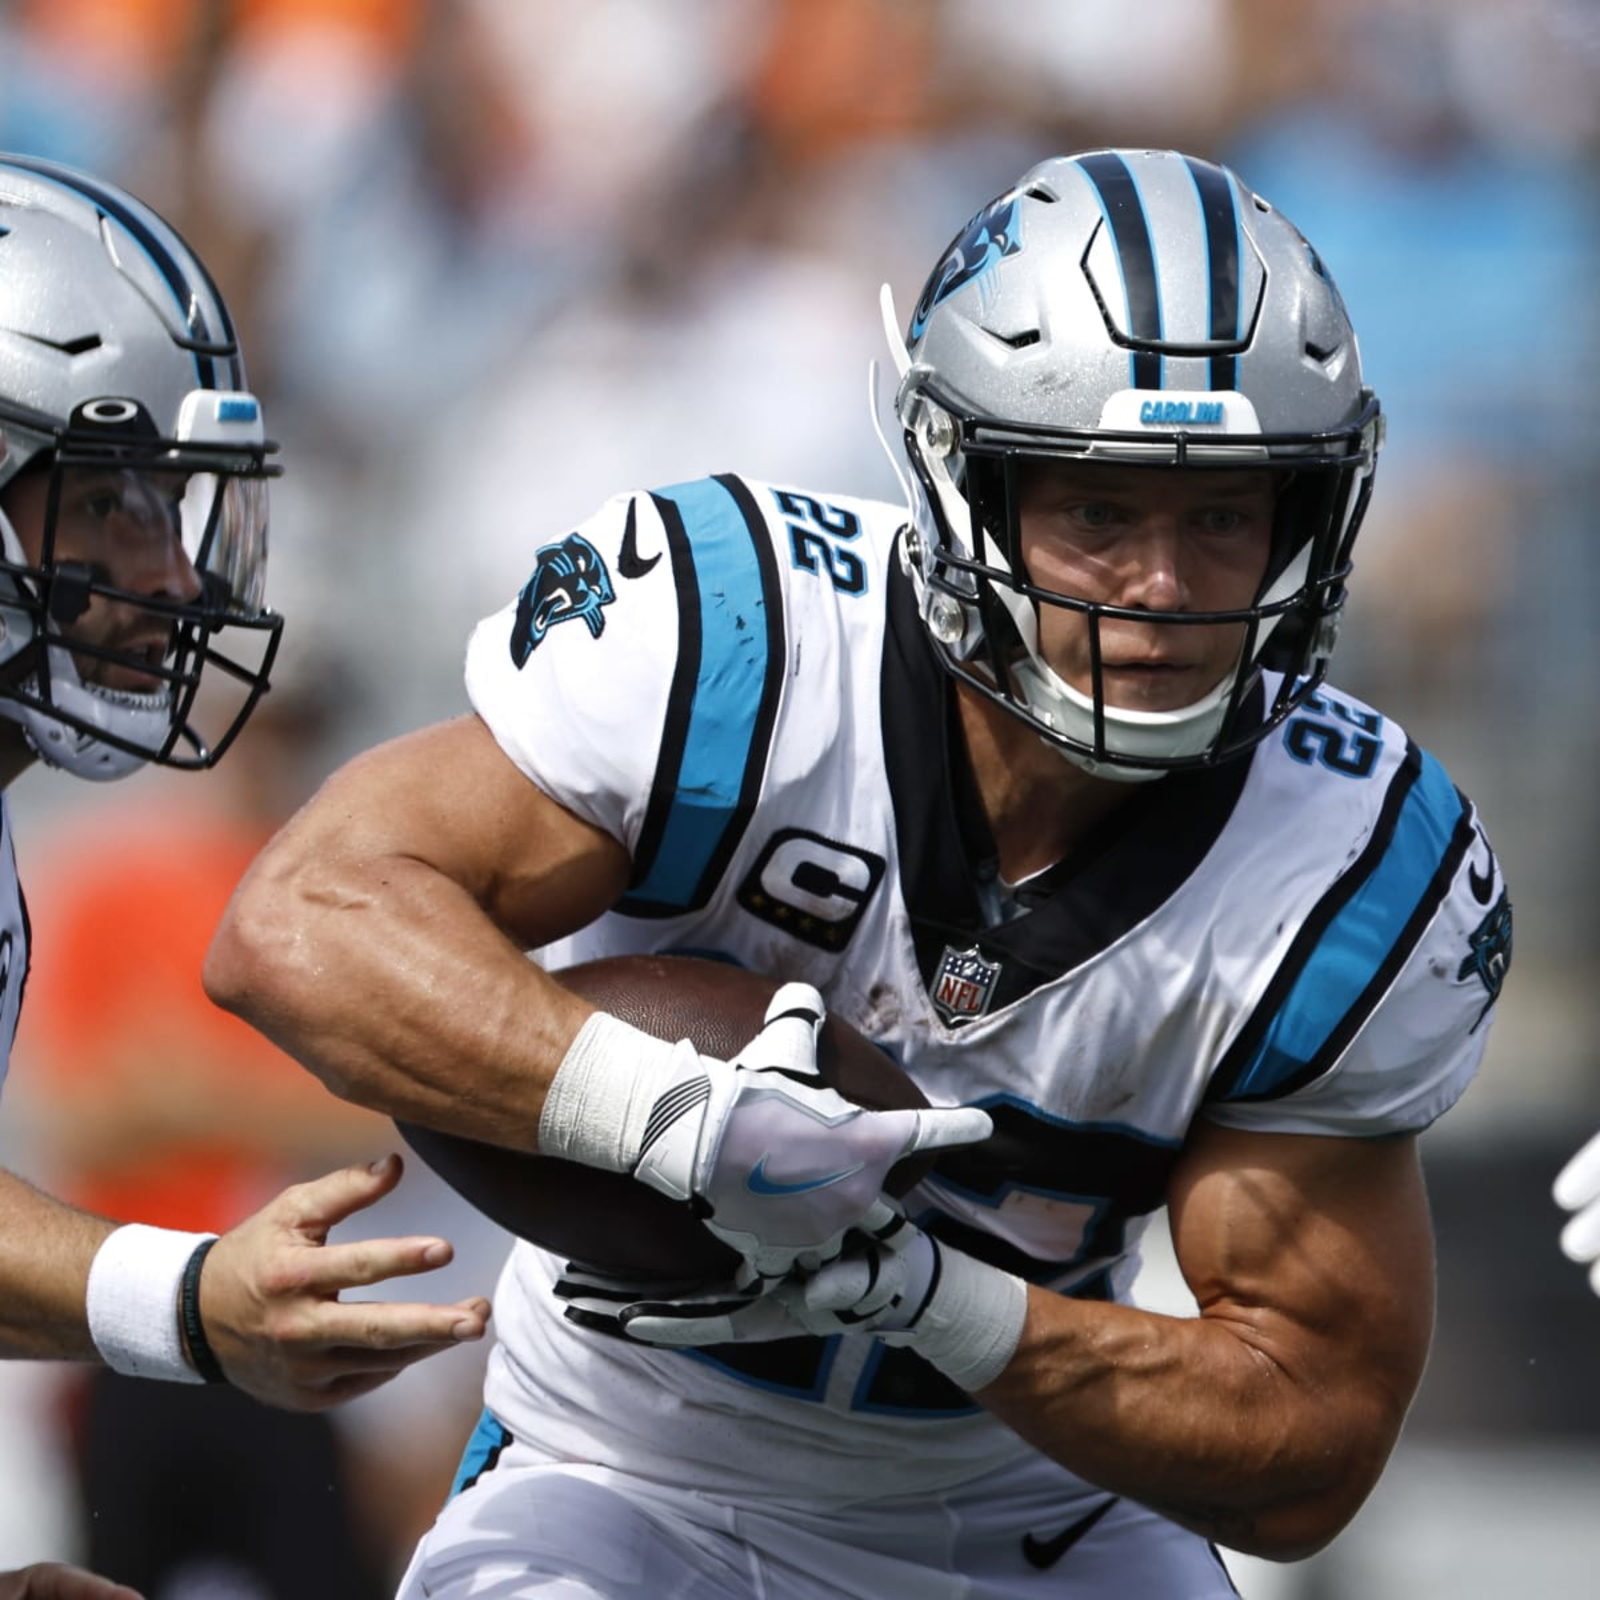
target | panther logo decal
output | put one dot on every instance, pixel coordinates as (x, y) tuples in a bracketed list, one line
[(1489, 953), (988, 238), (569, 580)]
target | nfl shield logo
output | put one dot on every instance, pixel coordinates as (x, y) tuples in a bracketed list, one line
[(963, 984)]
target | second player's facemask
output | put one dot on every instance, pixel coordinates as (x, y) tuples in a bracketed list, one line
[(133, 486), (128, 576)]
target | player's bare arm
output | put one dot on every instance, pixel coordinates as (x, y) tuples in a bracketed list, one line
[(380, 940), (380, 937), (46, 1247), (1264, 1422)]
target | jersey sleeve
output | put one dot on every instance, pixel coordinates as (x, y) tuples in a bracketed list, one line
[(573, 677), (1420, 1043)]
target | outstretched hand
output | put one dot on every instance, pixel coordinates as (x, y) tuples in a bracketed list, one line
[(269, 1299), (783, 1165), (50, 1580), (1577, 1189)]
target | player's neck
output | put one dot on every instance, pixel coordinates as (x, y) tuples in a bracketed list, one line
[(1038, 804)]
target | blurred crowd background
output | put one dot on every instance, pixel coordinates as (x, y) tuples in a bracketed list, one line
[(494, 260)]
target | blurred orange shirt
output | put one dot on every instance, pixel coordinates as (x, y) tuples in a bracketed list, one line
[(121, 917)]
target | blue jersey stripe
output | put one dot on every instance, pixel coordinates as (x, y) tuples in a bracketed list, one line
[(488, 1439), (1361, 940), (726, 713)]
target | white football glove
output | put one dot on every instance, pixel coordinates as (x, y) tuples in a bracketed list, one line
[(1577, 1189), (779, 1167), (959, 1313), (722, 1313)]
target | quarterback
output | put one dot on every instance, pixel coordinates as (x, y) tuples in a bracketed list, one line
[(133, 472), (1036, 779)]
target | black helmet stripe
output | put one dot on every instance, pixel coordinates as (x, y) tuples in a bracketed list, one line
[(1130, 232), (206, 346), (1220, 209)]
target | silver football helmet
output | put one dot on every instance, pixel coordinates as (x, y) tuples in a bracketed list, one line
[(1143, 307), (133, 468)]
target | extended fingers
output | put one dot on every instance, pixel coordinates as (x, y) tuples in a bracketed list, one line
[(357, 1329), (788, 1037), (1579, 1181), (1580, 1239), (948, 1128), (360, 1263), (312, 1208), (317, 1379)]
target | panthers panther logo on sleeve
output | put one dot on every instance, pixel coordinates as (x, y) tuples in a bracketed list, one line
[(569, 580)]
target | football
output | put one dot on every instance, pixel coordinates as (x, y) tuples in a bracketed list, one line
[(613, 1222)]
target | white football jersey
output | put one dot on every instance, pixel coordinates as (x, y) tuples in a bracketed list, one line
[(13, 941), (731, 679)]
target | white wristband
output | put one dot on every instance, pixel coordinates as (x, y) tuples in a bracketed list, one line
[(599, 1102), (132, 1304), (970, 1328)]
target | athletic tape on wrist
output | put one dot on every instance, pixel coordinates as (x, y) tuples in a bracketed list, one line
[(135, 1284), (972, 1322), (599, 1102)]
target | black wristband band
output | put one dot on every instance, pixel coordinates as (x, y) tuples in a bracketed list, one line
[(194, 1333)]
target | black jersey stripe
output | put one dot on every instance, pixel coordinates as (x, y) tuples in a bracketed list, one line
[(1130, 233), (1220, 210), (723, 701), (205, 346), (680, 701)]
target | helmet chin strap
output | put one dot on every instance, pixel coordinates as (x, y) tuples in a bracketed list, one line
[(1189, 730)]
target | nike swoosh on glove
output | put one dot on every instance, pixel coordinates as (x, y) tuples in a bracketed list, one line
[(780, 1166)]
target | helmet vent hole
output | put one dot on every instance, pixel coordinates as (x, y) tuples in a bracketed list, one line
[(1020, 341), (80, 346), (1037, 193), (1321, 353)]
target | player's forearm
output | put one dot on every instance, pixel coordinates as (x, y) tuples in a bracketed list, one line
[(389, 982), (1198, 1419), (46, 1249)]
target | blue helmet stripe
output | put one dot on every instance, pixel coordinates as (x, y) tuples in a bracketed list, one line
[(724, 697), (1130, 232), (1224, 258), (1358, 938), (138, 222)]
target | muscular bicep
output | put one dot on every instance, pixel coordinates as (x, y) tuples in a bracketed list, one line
[(447, 798), (380, 936), (1317, 1253)]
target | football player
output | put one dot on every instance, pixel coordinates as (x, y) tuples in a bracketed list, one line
[(1038, 781), (133, 629)]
